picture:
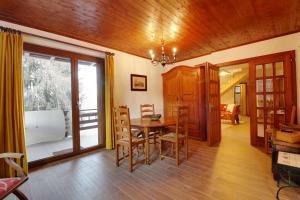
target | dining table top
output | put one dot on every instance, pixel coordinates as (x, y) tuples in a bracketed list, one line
[(162, 122)]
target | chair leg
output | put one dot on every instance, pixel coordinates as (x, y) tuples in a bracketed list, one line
[(117, 155), (123, 151), (160, 149), (20, 194), (186, 148), (145, 151), (130, 159), (177, 153), (237, 119)]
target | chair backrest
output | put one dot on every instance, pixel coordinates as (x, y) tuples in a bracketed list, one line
[(293, 116), (123, 106), (147, 110), (182, 120), (122, 123)]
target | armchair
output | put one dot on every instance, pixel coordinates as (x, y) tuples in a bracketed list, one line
[(10, 185), (230, 112)]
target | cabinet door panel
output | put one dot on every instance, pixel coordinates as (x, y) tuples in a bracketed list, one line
[(189, 84), (171, 93)]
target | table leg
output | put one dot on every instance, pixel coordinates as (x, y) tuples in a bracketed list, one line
[(146, 131)]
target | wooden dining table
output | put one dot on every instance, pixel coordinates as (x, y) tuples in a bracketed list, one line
[(146, 125)]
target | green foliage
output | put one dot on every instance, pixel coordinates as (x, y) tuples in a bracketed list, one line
[(47, 84)]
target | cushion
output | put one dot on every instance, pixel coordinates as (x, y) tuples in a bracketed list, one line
[(7, 184), (223, 107), (230, 107), (227, 113)]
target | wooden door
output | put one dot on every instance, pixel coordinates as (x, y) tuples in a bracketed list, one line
[(171, 93), (272, 93), (189, 96), (213, 104)]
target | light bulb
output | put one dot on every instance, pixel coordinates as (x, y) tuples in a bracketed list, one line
[(151, 52), (152, 56), (174, 50)]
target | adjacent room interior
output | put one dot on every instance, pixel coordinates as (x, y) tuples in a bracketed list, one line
[(149, 100), (234, 107)]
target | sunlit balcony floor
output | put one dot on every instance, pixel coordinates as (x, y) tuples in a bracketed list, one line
[(88, 138)]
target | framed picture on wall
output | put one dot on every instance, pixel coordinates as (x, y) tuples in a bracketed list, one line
[(138, 82)]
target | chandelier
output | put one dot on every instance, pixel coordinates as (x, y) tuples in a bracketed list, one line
[(164, 59)]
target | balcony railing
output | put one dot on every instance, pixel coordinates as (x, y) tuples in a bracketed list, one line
[(88, 119)]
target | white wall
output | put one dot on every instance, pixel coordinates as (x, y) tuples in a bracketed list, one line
[(228, 97), (284, 43), (125, 64)]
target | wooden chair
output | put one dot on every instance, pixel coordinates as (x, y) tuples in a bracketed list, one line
[(124, 137), (180, 136), (147, 111), (10, 185), (135, 132)]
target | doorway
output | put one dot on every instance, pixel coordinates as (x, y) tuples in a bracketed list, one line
[(235, 121)]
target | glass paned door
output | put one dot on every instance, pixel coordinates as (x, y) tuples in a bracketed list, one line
[(88, 103), (48, 105), (272, 93), (264, 97)]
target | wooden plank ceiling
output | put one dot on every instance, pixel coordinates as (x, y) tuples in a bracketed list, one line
[(195, 27)]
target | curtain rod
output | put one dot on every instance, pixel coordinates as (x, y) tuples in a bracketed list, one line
[(69, 43), (10, 30)]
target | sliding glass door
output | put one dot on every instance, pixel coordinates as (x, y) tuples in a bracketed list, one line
[(63, 101), (48, 105), (89, 104)]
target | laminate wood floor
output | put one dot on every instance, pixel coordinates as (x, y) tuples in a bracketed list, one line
[(234, 170)]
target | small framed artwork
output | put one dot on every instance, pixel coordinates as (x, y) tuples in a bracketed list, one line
[(138, 82)]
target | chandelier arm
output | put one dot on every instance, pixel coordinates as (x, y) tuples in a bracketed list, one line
[(164, 59)]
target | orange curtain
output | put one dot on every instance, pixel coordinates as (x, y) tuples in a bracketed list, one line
[(12, 131), (109, 102)]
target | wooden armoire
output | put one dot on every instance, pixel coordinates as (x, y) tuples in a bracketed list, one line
[(185, 85), (199, 89)]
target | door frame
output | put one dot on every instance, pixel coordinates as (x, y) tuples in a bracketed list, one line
[(75, 95), (253, 137)]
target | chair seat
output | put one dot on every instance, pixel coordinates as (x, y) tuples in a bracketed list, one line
[(153, 133), (171, 136), (7, 184), (137, 133), (125, 140)]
